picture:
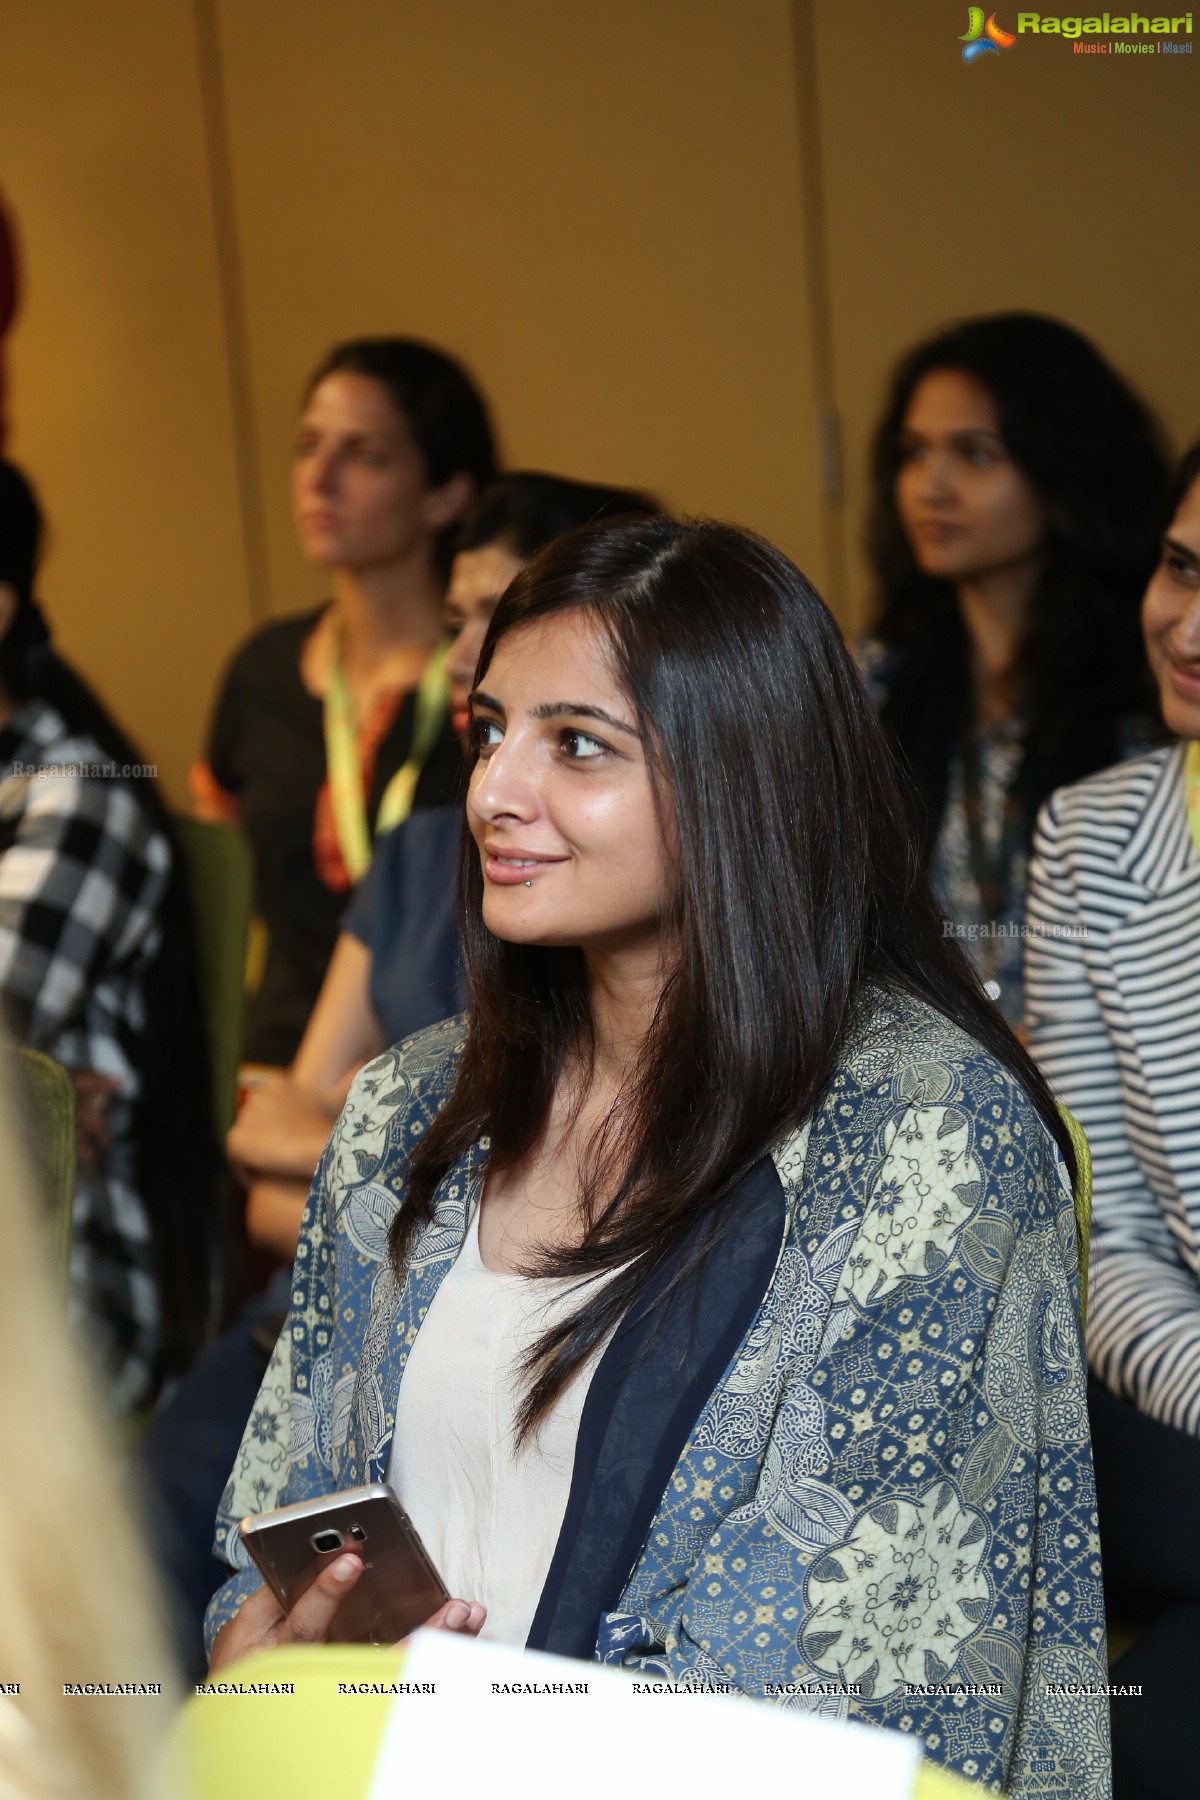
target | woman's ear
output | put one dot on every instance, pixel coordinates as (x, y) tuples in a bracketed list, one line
[(450, 501), (8, 608)]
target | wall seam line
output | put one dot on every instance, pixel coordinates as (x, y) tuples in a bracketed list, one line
[(826, 423), (231, 285)]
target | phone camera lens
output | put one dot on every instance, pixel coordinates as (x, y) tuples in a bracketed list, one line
[(325, 1541), (357, 1532)]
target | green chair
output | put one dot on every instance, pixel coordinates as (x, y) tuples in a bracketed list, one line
[(48, 1110), (222, 883)]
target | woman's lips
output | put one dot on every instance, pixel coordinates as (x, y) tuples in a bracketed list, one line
[(1186, 681), (508, 868)]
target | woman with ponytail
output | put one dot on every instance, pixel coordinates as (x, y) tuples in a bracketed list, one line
[(97, 969)]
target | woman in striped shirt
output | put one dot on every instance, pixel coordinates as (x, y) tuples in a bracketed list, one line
[(1113, 1012)]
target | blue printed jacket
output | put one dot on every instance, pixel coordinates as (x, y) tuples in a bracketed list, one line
[(847, 1470)]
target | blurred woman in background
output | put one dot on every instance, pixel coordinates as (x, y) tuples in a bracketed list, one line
[(1017, 493), (97, 968), (332, 725)]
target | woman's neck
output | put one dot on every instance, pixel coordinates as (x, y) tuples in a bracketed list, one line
[(380, 611), (995, 610), (624, 988)]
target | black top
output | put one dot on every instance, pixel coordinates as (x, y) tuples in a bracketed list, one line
[(267, 747)]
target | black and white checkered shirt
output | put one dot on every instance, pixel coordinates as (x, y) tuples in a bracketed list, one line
[(83, 873)]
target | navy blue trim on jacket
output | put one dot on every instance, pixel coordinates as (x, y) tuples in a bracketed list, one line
[(646, 1395)]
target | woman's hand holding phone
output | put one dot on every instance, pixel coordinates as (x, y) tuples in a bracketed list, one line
[(262, 1623)]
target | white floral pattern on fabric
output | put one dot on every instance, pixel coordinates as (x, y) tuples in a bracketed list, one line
[(925, 1193), (898, 1598)]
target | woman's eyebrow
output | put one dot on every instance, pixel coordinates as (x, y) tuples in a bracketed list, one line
[(962, 434), (558, 709), (579, 709), (1178, 549)]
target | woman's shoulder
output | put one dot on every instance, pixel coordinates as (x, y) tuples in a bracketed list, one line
[(422, 840), (903, 1053), (413, 1079), (1110, 805), (392, 1103), (917, 1100), (48, 742), (67, 775), (271, 654)]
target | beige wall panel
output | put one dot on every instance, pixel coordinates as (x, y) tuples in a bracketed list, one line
[(118, 391), (1035, 178), (598, 207)]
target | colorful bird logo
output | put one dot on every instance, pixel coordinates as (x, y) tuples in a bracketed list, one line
[(980, 37)]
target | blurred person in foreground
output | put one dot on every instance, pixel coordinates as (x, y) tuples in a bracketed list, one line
[(76, 1604)]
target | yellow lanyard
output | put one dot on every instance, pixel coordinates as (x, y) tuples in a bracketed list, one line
[(1192, 771), (345, 768)]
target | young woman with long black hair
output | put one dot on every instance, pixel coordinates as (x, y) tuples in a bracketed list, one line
[(97, 968), (709, 1294), (1018, 484)]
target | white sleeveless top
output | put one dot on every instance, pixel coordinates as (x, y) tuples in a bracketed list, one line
[(488, 1515)]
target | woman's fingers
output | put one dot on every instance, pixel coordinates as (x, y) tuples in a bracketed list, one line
[(465, 1616), (255, 1626), (313, 1614)]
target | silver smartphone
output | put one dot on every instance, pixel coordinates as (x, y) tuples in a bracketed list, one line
[(399, 1587)]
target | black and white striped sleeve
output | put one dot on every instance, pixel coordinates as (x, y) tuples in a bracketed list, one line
[(1143, 1303)]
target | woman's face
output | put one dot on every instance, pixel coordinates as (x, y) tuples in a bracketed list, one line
[(560, 804), (359, 489), (477, 580), (1171, 619), (967, 510)]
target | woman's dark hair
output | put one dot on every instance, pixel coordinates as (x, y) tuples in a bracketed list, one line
[(1187, 472), (528, 510), (795, 881), (179, 1167), (444, 410), (1091, 451)]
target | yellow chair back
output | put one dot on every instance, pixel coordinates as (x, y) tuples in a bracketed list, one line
[(1083, 1202)]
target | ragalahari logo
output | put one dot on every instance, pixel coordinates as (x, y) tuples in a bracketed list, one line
[(981, 37)]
